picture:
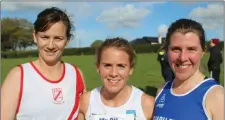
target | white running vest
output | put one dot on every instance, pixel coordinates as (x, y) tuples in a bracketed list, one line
[(41, 99), (131, 110)]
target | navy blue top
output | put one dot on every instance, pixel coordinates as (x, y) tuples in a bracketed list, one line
[(188, 106)]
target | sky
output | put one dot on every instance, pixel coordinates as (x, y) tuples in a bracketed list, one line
[(131, 20)]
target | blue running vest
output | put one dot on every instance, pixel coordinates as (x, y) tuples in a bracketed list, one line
[(188, 106)]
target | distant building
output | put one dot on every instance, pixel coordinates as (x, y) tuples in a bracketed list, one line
[(148, 40)]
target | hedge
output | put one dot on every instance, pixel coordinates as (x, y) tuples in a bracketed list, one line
[(147, 48)]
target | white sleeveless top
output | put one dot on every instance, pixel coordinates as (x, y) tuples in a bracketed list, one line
[(41, 99), (131, 110)]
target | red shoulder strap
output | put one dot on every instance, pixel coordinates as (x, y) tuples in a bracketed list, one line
[(21, 88), (79, 91)]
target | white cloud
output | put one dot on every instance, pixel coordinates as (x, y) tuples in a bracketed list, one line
[(127, 16), (75, 9), (211, 16), (162, 29)]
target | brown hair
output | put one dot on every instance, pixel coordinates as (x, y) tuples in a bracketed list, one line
[(118, 43), (50, 16), (184, 26)]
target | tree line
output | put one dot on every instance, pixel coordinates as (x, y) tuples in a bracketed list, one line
[(16, 33)]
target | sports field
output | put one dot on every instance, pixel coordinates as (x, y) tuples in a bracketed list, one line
[(146, 74)]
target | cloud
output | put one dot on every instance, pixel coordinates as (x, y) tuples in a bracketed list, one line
[(127, 16), (75, 9), (162, 29), (211, 16)]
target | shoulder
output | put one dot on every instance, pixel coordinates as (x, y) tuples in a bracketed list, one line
[(10, 93), (11, 84), (147, 105), (14, 75), (80, 73), (85, 97), (72, 65), (147, 100), (214, 101), (216, 93), (76, 68), (84, 101)]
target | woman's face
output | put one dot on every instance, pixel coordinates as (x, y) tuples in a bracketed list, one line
[(51, 42), (185, 54), (114, 69)]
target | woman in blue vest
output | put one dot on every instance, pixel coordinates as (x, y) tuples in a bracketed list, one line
[(191, 96)]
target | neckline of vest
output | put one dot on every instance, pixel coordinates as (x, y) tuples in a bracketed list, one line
[(45, 78), (121, 106), (189, 91)]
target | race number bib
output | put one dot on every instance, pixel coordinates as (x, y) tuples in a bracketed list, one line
[(112, 117)]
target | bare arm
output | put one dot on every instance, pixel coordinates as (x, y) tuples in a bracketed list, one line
[(10, 94), (147, 106), (84, 102), (215, 103)]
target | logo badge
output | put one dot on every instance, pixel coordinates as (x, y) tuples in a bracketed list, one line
[(161, 101), (133, 112), (163, 98), (57, 95)]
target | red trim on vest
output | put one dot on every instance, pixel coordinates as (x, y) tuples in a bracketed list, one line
[(21, 89), (76, 118), (79, 91), (51, 81)]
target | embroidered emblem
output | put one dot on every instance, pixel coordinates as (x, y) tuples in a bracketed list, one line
[(57, 95)]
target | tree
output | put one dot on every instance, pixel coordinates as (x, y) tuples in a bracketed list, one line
[(16, 33), (96, 43)]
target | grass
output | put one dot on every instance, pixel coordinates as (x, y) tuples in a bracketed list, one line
[(146, 75)]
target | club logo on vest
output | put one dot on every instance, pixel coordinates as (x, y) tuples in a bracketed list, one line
[(133, 112), (57, 96), (161, 101)]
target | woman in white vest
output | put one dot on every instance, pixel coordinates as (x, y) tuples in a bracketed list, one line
[(47, 88), (115, 100)]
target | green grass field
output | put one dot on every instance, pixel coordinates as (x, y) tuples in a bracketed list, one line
[(146, 73)]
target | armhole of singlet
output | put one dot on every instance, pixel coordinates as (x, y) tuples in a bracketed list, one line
[(141, 107), (88, 112), (203, 101), (79, 91), (161, 91), (80, 80), (21, 88)]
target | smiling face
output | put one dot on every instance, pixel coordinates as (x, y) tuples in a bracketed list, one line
[(185, 54), (51, 42), (114, 69)]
